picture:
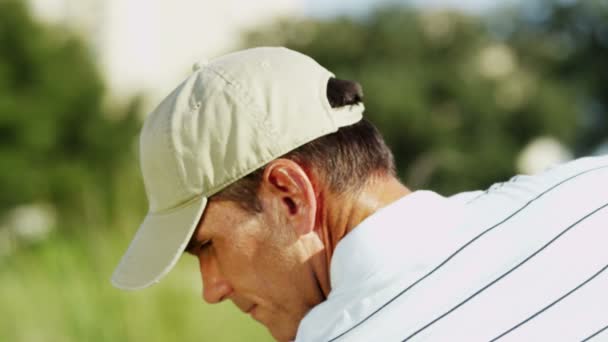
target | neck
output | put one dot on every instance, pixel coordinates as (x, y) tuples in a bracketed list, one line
[(338, 214)]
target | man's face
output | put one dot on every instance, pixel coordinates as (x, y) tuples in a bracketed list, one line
[(259, 263)]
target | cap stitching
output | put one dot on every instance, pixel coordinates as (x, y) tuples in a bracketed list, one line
[(173, 151), (177, 166), (260, 121)]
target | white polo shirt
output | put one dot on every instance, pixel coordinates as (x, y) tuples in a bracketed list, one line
[(526, 260)]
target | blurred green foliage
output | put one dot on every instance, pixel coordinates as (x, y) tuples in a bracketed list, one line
[(58, 142), (566, 41), (60, 291), (456, 99), (61, 145)]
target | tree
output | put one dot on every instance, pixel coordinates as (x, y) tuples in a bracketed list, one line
[(455, 102), (57, 141), (568, 42)]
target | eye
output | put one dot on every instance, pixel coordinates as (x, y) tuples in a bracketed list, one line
[(204, 245)]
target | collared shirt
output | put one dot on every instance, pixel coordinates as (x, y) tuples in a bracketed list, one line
[(525, 260)]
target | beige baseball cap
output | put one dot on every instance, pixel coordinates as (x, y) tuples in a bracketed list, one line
[(231, 116)]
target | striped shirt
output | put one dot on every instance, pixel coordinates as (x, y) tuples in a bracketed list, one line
[(525, 260)]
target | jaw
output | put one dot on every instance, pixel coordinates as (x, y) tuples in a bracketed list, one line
[(282, 327), (283, 337)]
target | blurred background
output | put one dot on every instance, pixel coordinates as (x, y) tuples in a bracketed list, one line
[(466, 94)]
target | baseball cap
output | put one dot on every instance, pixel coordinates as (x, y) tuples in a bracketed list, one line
[(231, 116)]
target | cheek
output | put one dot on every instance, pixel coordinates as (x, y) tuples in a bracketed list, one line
[(242, 251), (258, 252), (274, 266), (236, 256)]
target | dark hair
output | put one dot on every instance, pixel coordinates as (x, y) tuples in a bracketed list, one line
[(346, 159)]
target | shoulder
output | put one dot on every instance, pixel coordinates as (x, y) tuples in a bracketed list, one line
[(571, 181)]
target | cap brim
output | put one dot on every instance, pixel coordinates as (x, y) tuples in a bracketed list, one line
[(157, 245)]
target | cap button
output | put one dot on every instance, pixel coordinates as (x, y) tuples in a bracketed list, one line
[(198, 65)]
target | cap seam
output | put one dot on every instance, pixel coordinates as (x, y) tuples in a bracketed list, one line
[(192, 108), (173, 150), (246, 100), (258, 118)]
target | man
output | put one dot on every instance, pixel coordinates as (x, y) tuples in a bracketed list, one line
[(260, 165)]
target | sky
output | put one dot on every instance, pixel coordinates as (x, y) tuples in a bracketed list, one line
[(325, 8)]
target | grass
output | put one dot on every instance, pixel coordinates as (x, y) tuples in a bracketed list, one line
[(59, 290)]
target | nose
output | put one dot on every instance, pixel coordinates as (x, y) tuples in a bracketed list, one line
[(215, 287)]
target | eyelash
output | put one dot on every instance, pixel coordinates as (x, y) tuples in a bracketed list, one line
[(204, 245)]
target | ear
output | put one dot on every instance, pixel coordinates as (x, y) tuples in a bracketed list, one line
[(287, 188)]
